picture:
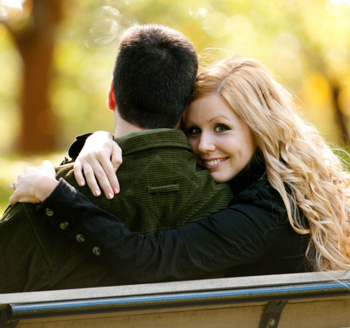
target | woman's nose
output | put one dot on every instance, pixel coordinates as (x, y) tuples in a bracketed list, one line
[(206, 144)]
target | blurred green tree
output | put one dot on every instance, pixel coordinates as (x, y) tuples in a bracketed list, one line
[(305, 42), (35, 37)]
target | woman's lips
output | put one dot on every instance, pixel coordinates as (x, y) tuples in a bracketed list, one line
[(212, 163)]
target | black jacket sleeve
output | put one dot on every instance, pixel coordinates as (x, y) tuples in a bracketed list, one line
[(228, 238)]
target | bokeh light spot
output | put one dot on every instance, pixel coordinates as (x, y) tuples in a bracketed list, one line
[(217, 24), (286, 45)]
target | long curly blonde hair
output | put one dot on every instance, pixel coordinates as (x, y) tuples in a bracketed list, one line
[(299, 164)]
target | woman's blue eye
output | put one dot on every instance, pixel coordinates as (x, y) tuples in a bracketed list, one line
[(193, 130), (221, 128)]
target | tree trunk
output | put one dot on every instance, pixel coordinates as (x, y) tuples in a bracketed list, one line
[(35, 43), (340, 117)]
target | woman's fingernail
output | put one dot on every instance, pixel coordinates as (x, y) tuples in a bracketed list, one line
[(110, 195), (97, 192), (116, 190)]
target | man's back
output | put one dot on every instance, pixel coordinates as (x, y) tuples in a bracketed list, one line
[(162, 186)]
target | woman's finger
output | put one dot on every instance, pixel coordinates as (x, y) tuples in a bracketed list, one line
[(107, 178), (91, 181), (78, 173)]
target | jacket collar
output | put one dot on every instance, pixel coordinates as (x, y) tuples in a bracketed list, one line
[(153, 138), (254, 170)]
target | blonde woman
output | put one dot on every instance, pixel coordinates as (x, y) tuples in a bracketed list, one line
[(290, 211), (299, 165)]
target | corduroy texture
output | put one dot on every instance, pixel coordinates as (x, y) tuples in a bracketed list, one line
[(35, 256), (161, 188), (161, 185)]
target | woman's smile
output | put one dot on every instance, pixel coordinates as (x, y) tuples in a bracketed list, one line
[(213, 163), (222, 141)]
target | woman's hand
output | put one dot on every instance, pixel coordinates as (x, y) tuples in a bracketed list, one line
[(35, 184), (98, 161)]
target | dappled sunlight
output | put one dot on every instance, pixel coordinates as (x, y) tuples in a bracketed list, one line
[(294, 39), (317, 92), (337, 7), (106, 28), (11, 9), (242, 28), (286, 45), (213, 20), (15, 11), (9, 92), (12, 166)]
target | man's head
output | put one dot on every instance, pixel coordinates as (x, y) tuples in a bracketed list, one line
[(153, 76)]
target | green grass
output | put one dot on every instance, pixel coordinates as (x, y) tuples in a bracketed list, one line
[(11, 167)]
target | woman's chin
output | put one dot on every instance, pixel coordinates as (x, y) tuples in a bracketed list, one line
[(219, 178)]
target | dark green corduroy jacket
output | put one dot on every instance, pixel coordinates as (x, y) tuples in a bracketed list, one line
[(161, 185), (161, 188)]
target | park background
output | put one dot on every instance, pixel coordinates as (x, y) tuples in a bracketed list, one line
[(56, 60)]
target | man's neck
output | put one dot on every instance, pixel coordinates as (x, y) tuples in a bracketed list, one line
[(123, 127)]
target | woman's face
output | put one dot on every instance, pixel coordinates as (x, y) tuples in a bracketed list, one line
[(222, 140)]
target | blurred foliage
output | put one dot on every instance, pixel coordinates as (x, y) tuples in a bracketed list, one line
[(12, 166), (306, 44)]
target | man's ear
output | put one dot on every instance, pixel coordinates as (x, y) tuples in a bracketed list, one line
[(110, 98)]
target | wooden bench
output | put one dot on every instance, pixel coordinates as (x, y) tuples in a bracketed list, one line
[(291, 300)]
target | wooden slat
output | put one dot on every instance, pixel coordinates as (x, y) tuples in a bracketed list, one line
[(309, 297)]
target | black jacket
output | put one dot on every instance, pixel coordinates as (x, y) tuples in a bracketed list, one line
[(251, 237)]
